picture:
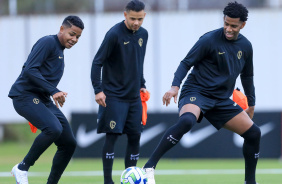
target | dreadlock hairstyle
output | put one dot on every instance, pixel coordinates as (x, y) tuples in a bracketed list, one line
[(236, 10)]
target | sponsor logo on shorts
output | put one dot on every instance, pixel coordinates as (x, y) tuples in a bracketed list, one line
[(113, 124), (36, 100), (256, 155), (192, 99)]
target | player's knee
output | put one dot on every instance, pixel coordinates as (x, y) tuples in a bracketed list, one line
[(186, 122), (53, 131), (133, 139), (57, 131), (253, 134), (72, 143), (111, 137)]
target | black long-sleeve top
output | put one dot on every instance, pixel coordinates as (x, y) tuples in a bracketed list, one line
[(43, 69), (121, 58), (217, 64)]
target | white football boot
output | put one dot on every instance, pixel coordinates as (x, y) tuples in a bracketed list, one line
[(150, 175), (20, 176)]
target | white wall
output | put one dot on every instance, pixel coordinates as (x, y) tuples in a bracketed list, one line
[(171, 35)]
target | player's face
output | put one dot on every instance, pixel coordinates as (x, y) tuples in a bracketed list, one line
[(133, 19), (232, 27), (69, 36)]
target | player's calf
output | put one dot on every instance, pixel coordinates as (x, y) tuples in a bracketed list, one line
[(251, 152)]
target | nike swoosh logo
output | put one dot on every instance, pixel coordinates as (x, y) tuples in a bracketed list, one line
[(134, 155), (150, 133), (109, 154), (193, 138), (126, 43), (173, 138), (265, 129), (60, 57), (85, 139), (220, 53)]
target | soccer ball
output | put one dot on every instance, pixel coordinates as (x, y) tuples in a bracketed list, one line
[(133, 175)]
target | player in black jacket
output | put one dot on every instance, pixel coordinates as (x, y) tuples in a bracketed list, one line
[(121, 55), (31, 93), (218, 57)]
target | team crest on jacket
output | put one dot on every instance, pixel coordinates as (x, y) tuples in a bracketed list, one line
[(192, 99), (140, 41), (36, 100), (239, 54), (113, 124)]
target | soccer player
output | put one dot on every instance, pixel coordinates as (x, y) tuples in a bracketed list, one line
[(31, 93), (218, 58), (121, 55)]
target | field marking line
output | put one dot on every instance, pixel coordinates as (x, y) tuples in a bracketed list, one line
[(157, 172)]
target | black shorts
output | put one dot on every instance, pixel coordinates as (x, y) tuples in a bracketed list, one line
[(216, 111), (120, 117)]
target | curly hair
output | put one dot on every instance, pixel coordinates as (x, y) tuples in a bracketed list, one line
[(236, 10)]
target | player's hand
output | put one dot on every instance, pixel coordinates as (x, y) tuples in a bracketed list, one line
[(144, 90), (100, 98), (173, 92), (60, 98), (250, 111)]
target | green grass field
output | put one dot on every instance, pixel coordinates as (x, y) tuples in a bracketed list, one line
[(169, 171)]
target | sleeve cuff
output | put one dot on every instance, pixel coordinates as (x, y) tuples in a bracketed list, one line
[(97, 91), (54, 92)]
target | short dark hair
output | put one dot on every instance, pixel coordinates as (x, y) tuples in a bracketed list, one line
[(236, 10), (135, 5), (73, 20)]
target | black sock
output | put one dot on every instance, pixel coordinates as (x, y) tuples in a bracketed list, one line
[(251, 152), (108, 157), (23, 166), (132, 150), (171, 137)]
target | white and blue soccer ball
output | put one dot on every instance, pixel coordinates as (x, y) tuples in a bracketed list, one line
[(133, 175)]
